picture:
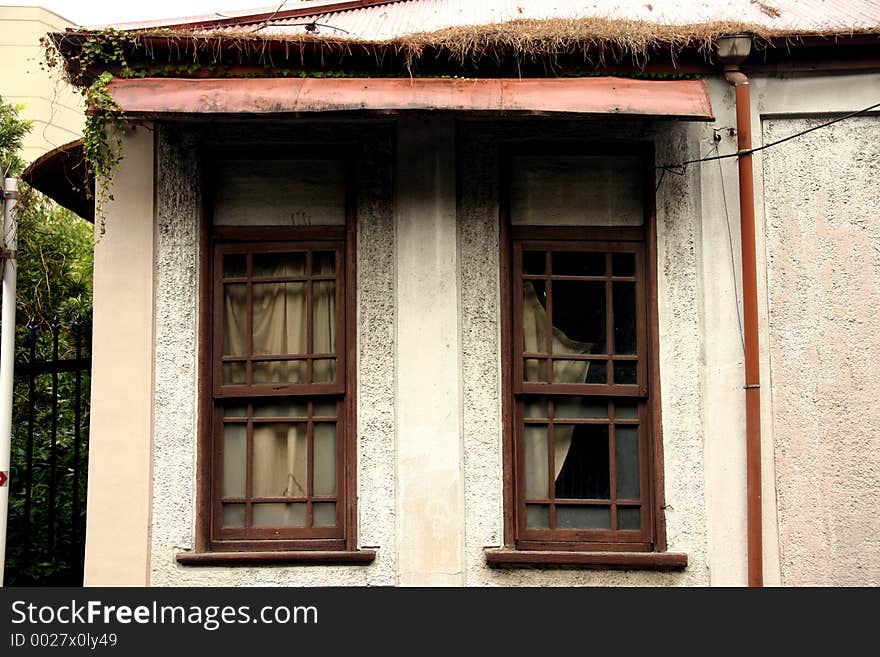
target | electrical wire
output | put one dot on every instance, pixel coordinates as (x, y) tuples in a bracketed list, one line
[(679, 168)]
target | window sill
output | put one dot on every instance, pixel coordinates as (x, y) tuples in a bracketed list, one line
[(293, 558), (501, 558)]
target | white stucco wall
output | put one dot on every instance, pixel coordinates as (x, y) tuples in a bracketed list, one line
[(455, 332)]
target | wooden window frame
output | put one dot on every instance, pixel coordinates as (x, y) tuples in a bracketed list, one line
[(298, 545), (541, 546)]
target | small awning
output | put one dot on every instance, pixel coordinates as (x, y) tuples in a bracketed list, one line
[(62, 175), (145, 97)]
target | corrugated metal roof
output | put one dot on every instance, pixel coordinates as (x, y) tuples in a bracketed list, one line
[(387, 20)]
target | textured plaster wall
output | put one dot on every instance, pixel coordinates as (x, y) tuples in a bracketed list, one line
[(681, 350), (822, 204), (176, 386)]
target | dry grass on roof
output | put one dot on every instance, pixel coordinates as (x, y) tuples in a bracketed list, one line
[(525, 39)]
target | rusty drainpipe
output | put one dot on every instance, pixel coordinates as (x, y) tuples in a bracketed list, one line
[(732, 50)]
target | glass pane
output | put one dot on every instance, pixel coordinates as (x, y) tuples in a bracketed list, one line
[(324, 514), (324, 317), (598, 372), (235, 410), (625, 373), (578, 407), (582, 465), (626, 455), (629, 517), (234, 373), (579, 317), (233, 515), (279, 318), (325, 409), (534, 262), (280, 460), (234, 319), (625, 411), (280, 371), (235, 264), (534, 317), (323, 263), (277, 265), (623, 264), (535, 370), (578, 263), (324, 484), (537, 516), (624, 299), (234, 459), (583, 517), (279, 515), (536, 408), (576, 371), (324, 370), (536, 462), (280, 408)]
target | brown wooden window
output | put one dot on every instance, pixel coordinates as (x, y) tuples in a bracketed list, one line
[(579, 370), (280, 379)]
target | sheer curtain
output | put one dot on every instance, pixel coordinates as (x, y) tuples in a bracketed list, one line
[(571, 371), (280, 450)]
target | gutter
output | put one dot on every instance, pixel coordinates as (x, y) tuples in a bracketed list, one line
[(732, 51)]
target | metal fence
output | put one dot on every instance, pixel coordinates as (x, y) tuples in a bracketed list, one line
[(46, 532)]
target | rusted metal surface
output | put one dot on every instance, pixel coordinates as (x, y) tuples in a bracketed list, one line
[(754, 514), (62, 175), (377, 20), (687, 99)]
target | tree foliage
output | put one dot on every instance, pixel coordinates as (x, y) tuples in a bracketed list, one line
[(54, 304)]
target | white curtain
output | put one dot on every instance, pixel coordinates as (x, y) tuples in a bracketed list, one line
[(570, 371)]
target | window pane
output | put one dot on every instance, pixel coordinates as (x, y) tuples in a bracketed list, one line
[(535, 370), (534, 262), (625, 373), (579, 371), (626, 455), (233, 515), (235, 265), (279, 515), (325, 459), (537, 516), (234, 319), (324, 370), (325, 409), (279, 318), (280, 371), (582, 465), (536, 408), (629, 517), (623, 264), (234, 460), (234, 373), (624, 296), (324, 514), (626, 411), (280, 408), (578, 263), (278, 265), (579, 317), (275, 192), (534, 319), (583, 517), (324, 317), (323, 263), (578, 407), (280, 460), (536, 462)]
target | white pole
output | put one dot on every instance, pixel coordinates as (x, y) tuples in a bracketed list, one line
[(7, 353)]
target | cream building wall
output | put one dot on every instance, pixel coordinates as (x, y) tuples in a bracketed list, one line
[(55, 109), (430, 511)]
